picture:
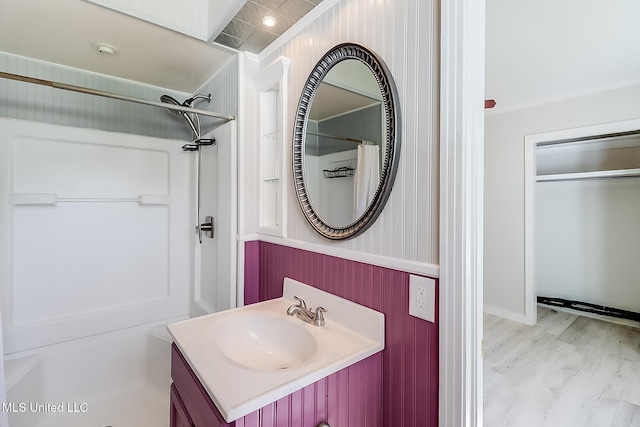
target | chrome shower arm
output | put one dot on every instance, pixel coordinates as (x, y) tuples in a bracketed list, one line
[(189, 101)]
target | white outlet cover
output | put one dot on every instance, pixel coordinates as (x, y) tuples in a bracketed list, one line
[(429, 286)]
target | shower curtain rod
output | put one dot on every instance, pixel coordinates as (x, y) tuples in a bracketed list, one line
[(341, 138), (88, 91)]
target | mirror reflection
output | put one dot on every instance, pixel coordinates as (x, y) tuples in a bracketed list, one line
[(344, 143)]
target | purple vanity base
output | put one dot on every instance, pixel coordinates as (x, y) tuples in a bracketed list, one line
[(351, 396)]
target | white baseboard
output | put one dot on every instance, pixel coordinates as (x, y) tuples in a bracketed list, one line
[(613, 319), (501, 312)]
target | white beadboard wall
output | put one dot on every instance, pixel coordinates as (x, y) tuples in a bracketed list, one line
[(405, 33), (587, 237), (223, 87), (32, 102)]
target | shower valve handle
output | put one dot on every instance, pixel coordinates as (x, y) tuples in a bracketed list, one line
[(206, 227)]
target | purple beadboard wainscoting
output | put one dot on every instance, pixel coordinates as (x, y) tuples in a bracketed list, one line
[(410, 358)]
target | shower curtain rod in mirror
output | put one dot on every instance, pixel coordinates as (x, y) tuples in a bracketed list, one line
[(341, 138), (88, 91)]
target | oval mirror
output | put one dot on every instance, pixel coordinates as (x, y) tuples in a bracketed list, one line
[(346, 141)]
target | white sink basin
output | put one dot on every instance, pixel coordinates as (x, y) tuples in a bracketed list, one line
[(266, 343), (251, 356)]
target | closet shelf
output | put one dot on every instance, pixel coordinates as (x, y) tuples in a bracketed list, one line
[(617, 173)]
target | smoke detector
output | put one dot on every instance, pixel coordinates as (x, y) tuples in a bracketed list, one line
[(105, 49)]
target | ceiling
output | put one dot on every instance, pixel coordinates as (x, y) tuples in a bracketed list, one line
[(325, 106), (151, 48), (547, 50), (147, 53), (246, 31), (536, 52)]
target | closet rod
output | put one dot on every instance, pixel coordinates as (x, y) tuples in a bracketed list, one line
[(88, 91), (580, 176), (341, 138)]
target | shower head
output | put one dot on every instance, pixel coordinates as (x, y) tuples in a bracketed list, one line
[(187, 103), (170, 100)]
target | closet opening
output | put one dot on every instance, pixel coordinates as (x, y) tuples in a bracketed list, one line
[(582, 234)]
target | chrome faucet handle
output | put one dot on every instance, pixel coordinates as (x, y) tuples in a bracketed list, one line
[(301, 302), (318, 316)]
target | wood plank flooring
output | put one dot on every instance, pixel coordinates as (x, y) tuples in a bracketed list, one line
[(565, 371)]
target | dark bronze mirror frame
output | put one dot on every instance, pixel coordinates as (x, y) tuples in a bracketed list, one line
[(392, 144)]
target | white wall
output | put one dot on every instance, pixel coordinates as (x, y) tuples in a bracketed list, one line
[(215, 259), (504, 183), (544, 51), (406, 35), (587, 241)]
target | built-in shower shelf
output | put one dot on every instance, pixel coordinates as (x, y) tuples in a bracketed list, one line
[(342, 172), (53, 199)]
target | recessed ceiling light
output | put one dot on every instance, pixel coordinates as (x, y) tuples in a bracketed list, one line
[(105, 49), (269, 21)]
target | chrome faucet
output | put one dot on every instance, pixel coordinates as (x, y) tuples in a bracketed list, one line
[(307, 314)]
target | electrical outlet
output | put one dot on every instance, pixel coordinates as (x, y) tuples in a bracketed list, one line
[(422, 296)]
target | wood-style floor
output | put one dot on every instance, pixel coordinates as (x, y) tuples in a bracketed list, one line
[(565, 371)]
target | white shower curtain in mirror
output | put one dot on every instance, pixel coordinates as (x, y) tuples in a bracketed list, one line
[(367, 176)]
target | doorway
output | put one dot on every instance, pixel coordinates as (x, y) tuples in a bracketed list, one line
[(578, 156)]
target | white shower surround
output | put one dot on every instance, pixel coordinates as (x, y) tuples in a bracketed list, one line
[(93, 232), (97, 245)]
